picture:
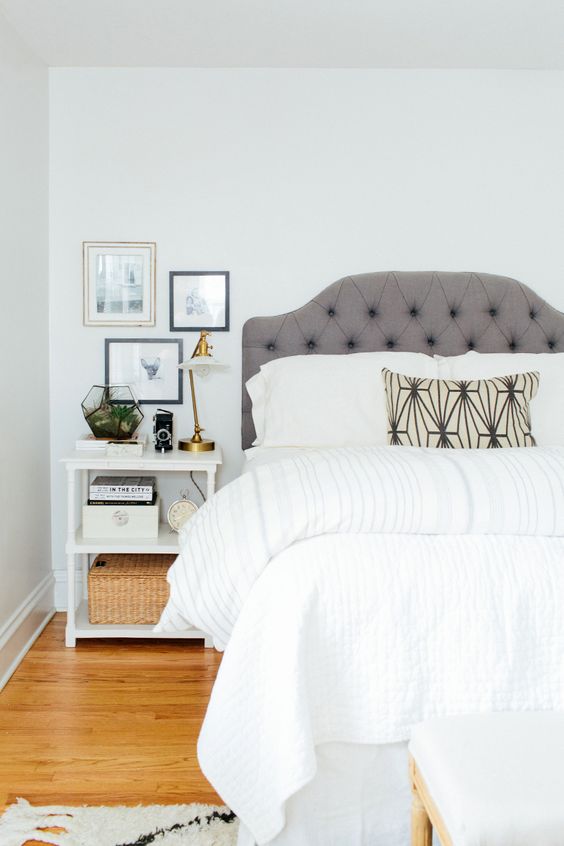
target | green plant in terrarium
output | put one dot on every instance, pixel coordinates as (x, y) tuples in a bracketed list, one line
[(112, 411)]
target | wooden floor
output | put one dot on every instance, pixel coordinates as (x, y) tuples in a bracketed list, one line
[(110, 722)]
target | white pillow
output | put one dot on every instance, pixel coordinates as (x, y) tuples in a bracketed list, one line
[(547, 408), (256, 387), (328, 400)]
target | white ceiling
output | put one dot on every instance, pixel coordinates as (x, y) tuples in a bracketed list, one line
[(293, 33)]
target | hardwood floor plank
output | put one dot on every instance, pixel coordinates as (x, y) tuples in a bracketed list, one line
[(107, 723)]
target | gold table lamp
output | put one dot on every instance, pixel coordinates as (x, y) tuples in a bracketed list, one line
[(200, 361)]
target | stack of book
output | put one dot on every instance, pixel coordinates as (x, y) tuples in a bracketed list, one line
[(123, 490), (89, 442)]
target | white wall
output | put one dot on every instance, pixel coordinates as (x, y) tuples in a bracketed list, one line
[(26, 594), (290, 179)]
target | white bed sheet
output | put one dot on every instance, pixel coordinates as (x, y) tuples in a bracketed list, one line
[(360, 796), (356, 638), (359, 592)]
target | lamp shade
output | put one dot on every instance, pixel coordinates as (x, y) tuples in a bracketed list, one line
[(200, 361)]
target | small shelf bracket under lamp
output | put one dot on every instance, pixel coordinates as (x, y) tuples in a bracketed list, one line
[(200, 362)]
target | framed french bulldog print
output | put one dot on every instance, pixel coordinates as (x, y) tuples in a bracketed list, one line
[(148, 365), (119, 283)]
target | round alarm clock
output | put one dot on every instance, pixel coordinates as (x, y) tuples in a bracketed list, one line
[(179, 512)]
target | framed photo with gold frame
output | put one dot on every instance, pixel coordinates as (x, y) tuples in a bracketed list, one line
[(119, 283)]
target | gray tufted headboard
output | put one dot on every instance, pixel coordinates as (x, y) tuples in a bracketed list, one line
[(429, 312)]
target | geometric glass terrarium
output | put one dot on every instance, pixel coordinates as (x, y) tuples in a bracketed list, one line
[(112, 411)]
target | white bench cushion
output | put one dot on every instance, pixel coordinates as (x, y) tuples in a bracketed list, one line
[(496, 779)]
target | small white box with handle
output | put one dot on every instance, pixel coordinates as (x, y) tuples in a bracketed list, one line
[(120, 521)]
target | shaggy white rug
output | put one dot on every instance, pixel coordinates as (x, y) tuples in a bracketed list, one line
[(150, 825)]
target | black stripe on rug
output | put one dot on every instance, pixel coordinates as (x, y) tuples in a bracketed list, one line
[(146, 839)]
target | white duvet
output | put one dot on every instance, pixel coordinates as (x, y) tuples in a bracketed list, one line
[(360, 591)]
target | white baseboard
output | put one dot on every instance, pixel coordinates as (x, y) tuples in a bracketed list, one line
[(27, 622)]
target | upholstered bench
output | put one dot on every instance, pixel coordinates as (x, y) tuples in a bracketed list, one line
[(489, 780)]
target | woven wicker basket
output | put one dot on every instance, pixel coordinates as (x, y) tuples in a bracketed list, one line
[(129, 589)]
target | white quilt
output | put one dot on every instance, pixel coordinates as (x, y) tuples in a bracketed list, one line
[(398, 490), (401, 583)]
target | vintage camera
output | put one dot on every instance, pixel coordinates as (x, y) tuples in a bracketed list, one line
[(162, 429)]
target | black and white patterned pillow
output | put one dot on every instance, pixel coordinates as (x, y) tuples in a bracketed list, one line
[(477, 414)]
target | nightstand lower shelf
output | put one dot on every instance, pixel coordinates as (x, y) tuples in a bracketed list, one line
[(84, 628), (166, 542)]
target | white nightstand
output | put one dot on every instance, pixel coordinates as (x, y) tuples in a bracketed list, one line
[(78, 466)]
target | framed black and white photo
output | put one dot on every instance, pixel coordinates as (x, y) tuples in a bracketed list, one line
[(119, 283), (148, 365), (199, 299)]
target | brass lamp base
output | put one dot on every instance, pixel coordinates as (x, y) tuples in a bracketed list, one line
[(189, 445)]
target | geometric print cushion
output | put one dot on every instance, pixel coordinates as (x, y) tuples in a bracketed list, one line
[(449, 413)]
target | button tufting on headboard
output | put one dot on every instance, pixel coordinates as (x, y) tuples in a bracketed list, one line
[(426, 312)]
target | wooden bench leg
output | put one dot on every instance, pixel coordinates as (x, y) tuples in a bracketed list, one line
[(421, 828)]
